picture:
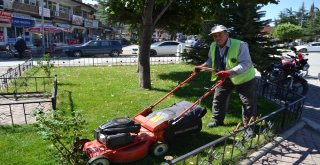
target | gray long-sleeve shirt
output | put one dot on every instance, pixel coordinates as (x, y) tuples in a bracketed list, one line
[(244, 58)]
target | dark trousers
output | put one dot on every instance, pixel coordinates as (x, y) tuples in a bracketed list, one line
[(247, 93)]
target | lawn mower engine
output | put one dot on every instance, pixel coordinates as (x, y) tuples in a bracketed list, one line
[(117, 132), (189, 123)]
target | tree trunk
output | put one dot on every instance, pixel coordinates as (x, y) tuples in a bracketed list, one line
[(145, 41)]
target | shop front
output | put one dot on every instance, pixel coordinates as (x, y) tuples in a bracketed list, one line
[(19, 24), (77, 30), (62, 36), (5, 24), (92, 31)]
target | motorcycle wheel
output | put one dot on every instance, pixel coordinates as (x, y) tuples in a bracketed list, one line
[(303, 73), (299, 86)]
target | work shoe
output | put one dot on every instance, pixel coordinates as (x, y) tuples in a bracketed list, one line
[(214, 124)]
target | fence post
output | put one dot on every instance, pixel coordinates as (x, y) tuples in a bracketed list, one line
[(19, 67), (284, 116), (54, 103), (54, 93)]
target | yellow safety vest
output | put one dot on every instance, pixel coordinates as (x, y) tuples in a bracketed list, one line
[(232, 61)]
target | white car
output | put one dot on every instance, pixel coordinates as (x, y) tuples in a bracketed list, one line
[(130, 50), (310, 47), (157, 48), (191, 40)]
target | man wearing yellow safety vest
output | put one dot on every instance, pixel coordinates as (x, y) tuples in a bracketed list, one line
[(231, 59)]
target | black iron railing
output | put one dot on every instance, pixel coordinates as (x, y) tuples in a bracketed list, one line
[(102, 61), (25, 85), (237, 143), (18, 102), (15, 72)]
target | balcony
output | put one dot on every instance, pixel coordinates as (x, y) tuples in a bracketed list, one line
[(25, 8), (59, 15)]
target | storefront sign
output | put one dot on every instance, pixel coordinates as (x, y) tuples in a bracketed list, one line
[(77, 20), (88, 23), (5, 18), (46, 22), (46, 12), (63, 25), (11, 40), (19, 22), (95, 23)]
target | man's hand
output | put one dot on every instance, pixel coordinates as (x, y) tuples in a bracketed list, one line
[(224, 73), (197, 69)]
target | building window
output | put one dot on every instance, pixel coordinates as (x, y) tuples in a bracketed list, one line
[(26, 2), (64, 9), (33, 2), (45, 3), (52, 5), (1, 4)]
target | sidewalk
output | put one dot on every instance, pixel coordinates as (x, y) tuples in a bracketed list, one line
[(302, 146)]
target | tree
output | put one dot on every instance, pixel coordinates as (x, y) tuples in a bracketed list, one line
[(287, 16), (244, 20), (287, 31), (302, 15), (186, 16), (147, 15), (313, 24)]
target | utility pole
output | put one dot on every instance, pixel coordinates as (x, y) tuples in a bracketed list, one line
[(42, 28)]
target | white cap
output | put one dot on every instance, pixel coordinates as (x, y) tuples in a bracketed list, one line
[(218, 28)]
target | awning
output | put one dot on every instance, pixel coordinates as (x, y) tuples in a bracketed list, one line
[(77, 27)]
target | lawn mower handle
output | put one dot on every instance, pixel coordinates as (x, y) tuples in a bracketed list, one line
[(219, 82), (193, 74)]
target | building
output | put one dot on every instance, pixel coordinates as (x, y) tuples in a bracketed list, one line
[(17, 16)]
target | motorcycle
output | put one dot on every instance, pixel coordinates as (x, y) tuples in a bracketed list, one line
[(300, 62), (288, 74), (7, 51), (12, 52)]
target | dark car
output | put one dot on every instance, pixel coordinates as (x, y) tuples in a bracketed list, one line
[(95, 47)]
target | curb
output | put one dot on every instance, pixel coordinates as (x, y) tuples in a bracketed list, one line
[(315, 126), (265, 149)]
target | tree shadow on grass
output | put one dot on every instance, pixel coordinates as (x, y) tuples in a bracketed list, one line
[(198, 86), (181, 146)]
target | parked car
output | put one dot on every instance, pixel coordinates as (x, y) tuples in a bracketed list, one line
[(157, 48), (95, 47), (130, 50), (310, 47), (191, 40)]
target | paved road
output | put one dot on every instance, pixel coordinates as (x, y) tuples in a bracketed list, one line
[(302, 147), (5, 64)]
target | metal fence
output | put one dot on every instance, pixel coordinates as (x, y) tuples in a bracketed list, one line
[(25, 94), (102, 61), (15, 72), (237, 143)]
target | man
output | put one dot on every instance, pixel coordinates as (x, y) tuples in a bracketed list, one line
[(20, 46), (231, 59)]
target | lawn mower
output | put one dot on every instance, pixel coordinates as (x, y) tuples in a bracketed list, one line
[(124, 140)]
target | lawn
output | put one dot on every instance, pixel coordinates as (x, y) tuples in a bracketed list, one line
[(104, 93)]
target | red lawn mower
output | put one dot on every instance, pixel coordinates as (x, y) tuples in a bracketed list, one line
[(124, 140)]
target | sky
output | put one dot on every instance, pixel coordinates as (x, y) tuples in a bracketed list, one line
[(90, 1), (273, 11)]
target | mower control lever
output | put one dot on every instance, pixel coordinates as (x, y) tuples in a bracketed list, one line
[(199, 68)]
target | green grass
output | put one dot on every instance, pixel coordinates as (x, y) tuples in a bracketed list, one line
[(104, 93)]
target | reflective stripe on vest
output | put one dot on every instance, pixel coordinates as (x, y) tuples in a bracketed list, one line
[(232, 61)]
